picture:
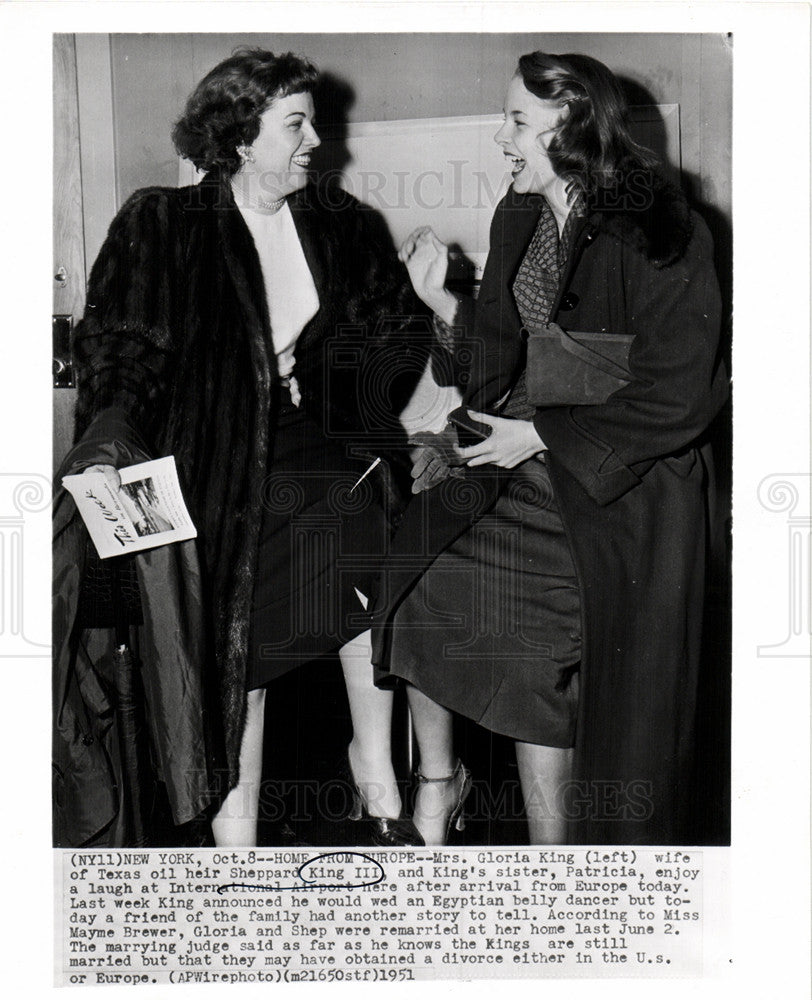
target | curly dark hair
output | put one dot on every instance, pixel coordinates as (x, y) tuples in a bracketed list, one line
[(224, 109), (592, 145)]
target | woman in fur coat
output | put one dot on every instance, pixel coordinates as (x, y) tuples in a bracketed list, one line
[(255, 327), (561, 602)]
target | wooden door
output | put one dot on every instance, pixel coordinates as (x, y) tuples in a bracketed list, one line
[(68, 279)]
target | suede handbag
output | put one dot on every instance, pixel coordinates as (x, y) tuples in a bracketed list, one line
[(565, 368)]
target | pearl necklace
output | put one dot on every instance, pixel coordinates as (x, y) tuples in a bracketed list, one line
[(262, 205), (271, 207)]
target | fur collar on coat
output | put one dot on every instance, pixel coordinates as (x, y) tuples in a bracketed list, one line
[(647, 213)]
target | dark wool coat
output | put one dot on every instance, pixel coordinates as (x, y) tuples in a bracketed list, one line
[(630, 483), (176, 335)]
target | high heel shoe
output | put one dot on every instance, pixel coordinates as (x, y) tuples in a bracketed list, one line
[(462, 776), (384, 831)]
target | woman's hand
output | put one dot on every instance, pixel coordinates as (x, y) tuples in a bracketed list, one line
[(110, 474), (426, 260), (434, 458), (510, 443)]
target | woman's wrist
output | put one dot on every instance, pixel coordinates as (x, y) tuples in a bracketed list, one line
[(534, 439), (444, 306)]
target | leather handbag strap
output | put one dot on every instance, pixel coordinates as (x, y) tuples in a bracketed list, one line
[(592, 358)]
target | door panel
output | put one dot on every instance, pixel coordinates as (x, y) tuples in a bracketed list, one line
[(68, 273)]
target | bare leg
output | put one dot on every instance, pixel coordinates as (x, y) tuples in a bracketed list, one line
[(542, 772), (235, 824), (370, 750), (433, 731)]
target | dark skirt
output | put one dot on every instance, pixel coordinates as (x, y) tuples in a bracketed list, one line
[(492, 629), (321, 543)]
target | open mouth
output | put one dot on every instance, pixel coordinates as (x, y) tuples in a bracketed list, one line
[(301, 160), (516, 163)]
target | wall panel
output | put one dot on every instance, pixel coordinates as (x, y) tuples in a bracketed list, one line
[(404, 76)]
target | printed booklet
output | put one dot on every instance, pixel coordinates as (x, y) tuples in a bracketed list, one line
[(147, 511)]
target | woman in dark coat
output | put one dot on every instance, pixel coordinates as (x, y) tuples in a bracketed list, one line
[(562, 600), (243, 326)]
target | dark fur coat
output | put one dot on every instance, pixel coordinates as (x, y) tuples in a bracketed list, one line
[(176, 334), (630, 483)]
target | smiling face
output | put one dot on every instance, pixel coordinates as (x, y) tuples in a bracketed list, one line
[(529, 125), (282, 149)]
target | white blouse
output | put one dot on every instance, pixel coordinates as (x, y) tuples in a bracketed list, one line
[(292, 297)]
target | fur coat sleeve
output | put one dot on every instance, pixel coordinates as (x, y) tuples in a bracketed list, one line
[(127, 339)]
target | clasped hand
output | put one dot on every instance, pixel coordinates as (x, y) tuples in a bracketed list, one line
[(510, 443), (438, 456), (426, 260)]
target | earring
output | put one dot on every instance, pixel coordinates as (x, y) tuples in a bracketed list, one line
[(245, 154)]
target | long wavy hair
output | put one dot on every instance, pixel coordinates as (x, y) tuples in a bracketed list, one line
[(592, 147), (224, 110)]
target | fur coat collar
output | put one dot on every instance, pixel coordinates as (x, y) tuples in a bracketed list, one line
[(646, 212)]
